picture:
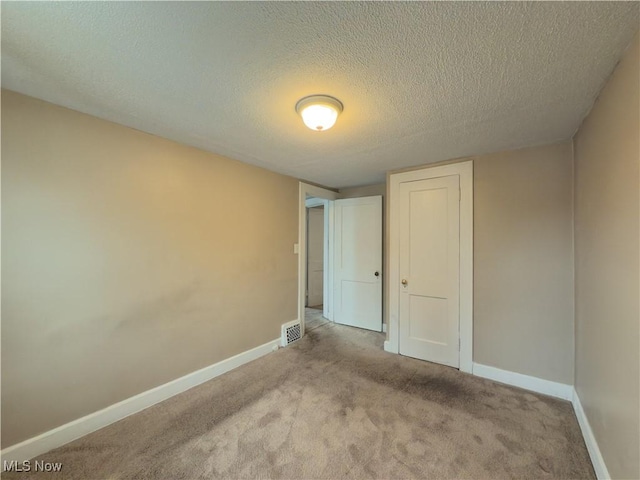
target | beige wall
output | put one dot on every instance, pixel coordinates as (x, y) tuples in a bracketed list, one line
[(127, 261), (368, 191), (607, 241), (523, 262)]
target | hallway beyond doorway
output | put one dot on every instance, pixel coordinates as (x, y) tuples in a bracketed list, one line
[(313, 318)]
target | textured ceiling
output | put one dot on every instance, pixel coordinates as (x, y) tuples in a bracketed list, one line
[(420, 82)]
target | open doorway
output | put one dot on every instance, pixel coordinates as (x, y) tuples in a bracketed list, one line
[(317, 260), (316, 239), (315, 256), (315, 253), (352, 259)]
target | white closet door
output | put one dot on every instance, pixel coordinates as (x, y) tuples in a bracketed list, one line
[(429, 269)]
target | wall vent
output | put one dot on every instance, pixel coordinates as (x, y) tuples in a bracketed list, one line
[(291, 332)]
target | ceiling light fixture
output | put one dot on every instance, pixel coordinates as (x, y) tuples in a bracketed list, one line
[(319, 112)]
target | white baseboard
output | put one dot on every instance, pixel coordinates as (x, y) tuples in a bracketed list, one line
[(590, 440), (59, 436), (535, 384), (78, 428)]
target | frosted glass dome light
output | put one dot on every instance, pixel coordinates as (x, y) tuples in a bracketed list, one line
[(319, 112)]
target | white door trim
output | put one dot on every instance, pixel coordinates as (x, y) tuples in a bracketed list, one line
[(465, 171), (304, 190), (314, 202)]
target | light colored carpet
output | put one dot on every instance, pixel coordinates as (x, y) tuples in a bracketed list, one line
[(335, 405), (313, 318)]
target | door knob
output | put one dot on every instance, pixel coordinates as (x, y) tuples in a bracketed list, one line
[(377, 274), (404, 282)]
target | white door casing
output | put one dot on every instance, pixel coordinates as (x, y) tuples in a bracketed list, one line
[(315, 256), (429, 269), (358, 262), (465, 172)]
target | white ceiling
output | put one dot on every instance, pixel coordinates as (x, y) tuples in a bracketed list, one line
[(420, 82)]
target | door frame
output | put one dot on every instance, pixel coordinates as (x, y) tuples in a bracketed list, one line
[(465, 171), (327, 196)]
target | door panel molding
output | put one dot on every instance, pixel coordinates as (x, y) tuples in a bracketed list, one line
[(465, 171)]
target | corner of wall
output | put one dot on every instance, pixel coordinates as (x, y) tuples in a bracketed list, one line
[(573, 251)]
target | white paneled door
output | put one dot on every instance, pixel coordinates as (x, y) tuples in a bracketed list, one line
[(429, 222), (358, 262)]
